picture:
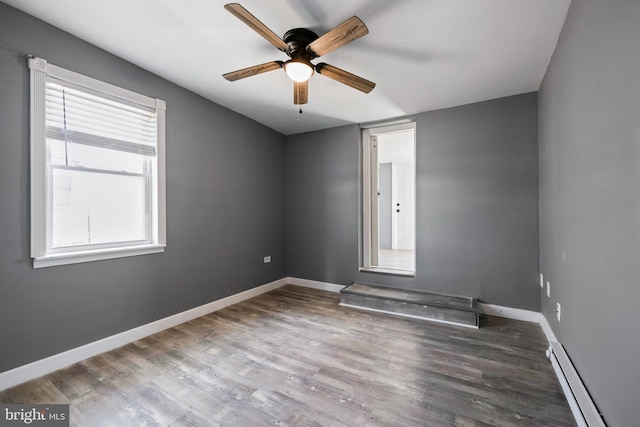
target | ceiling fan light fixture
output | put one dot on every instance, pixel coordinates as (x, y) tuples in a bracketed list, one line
[(302, 46), (298, 69)]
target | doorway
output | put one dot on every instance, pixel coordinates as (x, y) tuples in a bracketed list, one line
[(389, 199)]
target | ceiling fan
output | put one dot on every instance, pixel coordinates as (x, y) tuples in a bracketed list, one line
[(303, 45)]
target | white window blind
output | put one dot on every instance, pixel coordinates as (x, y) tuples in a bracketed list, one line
[(80, 116)]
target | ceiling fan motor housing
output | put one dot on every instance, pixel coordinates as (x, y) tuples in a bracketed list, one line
[(297, 41)]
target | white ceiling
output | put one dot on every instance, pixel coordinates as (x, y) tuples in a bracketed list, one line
[(423, 54)]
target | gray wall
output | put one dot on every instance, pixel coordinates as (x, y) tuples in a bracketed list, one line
[(225, 207), (477, 203), (322, 204), (589, 111)]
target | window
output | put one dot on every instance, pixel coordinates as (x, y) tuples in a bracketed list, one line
[(388, 199), (97, 169)]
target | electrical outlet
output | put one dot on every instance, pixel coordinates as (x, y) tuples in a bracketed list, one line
[(267, 259), (558, 311), (548, 289), (541, 280)]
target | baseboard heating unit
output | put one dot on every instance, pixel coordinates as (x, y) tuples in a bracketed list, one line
[(582, 407)]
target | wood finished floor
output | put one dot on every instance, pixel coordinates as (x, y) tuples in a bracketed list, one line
[(294, 357)]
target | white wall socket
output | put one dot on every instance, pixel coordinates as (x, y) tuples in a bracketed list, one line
[(541, 280), (267, 259), (548, 289), (558, 311)]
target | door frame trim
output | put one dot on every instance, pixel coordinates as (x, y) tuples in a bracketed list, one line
[(369, 191)]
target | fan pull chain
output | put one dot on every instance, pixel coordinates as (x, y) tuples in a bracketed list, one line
[(298, 115)]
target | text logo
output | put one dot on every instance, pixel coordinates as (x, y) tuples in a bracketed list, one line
[(34, 415)]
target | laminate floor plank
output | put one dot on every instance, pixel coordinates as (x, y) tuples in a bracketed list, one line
[(294, 357)]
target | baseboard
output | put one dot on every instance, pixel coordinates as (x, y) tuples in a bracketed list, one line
[(51, 364), (323, 286), (509, 312), (582, 407), (546, 328), (483, 308)]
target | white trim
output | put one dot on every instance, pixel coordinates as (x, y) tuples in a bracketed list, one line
[(373, 209), (51, 364), (37, 150), (40, 226), (584, 410), (367, 220), (161, 182), (369, 179), (561, 363), (509, 312), (95, 255), (389, 271), (323, 286), (98, 85), (483, 308), (566, 389), (359, 307), (392, 127), (546, 328)]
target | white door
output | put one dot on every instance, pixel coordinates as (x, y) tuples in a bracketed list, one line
[(403, 206)]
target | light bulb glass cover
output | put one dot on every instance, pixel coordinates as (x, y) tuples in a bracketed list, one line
[(298, 71)]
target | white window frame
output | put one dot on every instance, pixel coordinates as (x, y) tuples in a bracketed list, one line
[(369, 207), (42, 255)]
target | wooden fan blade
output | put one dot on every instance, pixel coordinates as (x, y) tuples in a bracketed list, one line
[(301, 92), (252, 71), (245, 16), (351, 29), (345, 77)]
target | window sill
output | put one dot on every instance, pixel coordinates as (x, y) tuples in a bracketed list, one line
[(95, 255), (389, 271)]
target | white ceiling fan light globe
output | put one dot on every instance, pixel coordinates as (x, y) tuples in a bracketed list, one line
[(298, 71)]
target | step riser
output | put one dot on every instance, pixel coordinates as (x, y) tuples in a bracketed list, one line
[(439, 314)]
